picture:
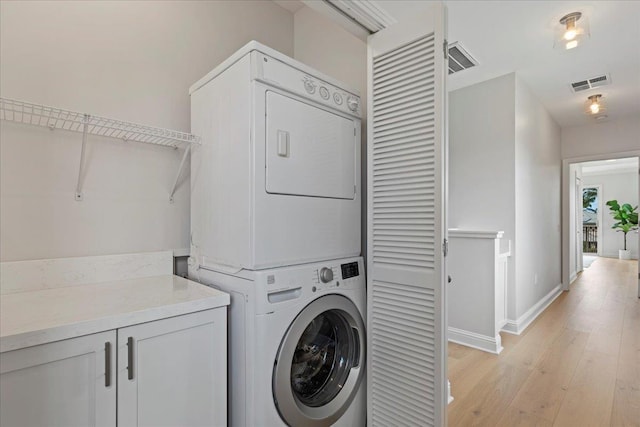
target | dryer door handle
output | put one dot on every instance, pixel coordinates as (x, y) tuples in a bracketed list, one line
[(283, 143)]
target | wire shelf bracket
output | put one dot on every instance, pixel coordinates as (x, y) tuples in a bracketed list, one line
[(87, 124)]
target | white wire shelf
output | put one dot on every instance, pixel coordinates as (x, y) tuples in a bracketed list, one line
[(87, 124), (57, 118)]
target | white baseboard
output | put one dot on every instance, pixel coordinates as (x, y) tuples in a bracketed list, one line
[(478, 341), (573, 277), (634, 256), (516, 327)]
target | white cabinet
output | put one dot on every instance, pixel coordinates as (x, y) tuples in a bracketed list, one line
[(64, 383), (170, 372)]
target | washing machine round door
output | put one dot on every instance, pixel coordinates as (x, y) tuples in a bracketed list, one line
[(320, 363)]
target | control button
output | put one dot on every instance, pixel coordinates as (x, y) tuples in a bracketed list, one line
[(313, 289), (326, 275), (337, 283), (310, 86), (353, 103), (324, 92), (337, 98)]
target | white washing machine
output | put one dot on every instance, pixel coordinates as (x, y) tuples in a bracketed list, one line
[(296, 344), (276, 180)]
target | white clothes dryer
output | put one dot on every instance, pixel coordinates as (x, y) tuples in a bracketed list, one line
[(296, 344), (276, 180)]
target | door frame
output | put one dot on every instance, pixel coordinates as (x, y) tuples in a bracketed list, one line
[(598, 187), (566, 183)]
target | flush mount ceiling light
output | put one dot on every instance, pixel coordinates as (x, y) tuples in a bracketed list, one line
[(571, 33), (594, 105)]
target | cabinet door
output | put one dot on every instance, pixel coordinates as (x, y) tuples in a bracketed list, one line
[(64, 383), (172, 372)]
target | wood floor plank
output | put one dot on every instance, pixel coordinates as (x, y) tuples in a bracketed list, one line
[(490, 398), (515, 417), (545, 389), (589, 397), (626, 401)]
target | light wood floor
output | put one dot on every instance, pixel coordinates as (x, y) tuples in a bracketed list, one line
[(577, 365)]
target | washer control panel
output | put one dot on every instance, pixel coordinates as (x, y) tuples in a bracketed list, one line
[(276, 72), (291, 284)]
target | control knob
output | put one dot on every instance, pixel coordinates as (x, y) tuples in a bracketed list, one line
[(352, 103), (310, 86), (326, 275)]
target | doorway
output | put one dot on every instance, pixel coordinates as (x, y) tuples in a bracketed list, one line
[(592, 184)]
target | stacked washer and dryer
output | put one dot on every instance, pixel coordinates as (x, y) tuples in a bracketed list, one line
[(275, 222)]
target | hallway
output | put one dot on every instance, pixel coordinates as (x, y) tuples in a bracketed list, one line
[(578, 364)]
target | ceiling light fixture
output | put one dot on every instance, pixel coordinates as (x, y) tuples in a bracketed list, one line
[(594, 105), (571, 34)]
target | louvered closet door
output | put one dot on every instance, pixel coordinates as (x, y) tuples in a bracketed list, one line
[(406, 220)]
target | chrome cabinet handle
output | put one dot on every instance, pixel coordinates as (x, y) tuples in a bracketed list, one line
[(107, 364), (130, 357)]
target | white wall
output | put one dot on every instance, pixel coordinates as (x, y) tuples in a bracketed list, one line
[(129, 60), (591, 139), (481, 161), (538, 183), (622, 186), (329, 48)]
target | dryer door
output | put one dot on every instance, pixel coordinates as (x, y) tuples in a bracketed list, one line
[(309, 151), (320, 363)]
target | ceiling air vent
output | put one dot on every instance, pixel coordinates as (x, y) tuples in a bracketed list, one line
[(591, 83), (459, 58)]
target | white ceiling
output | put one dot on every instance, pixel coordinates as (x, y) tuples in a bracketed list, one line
[(507, 36), (517, 36), (629, 164)]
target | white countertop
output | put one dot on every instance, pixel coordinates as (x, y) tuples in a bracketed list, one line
[(41, 316)]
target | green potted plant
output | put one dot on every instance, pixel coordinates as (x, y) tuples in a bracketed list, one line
[(627, 217)]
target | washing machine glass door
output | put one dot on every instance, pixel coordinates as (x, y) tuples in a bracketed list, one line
[(320, 363)]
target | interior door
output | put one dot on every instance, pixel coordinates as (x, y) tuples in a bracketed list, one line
[(309, 151), (406, 221)]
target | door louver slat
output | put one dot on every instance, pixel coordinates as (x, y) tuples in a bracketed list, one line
[(420, 134), (404, 81), (418, 105), (419, 46), (423, 88), (395, 63), (408, 101), (403, 367), (420, 113), (403, 219), (406, 69)]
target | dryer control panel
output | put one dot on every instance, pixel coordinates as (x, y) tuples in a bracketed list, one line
[(275, 72)]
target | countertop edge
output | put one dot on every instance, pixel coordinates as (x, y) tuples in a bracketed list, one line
[(122, 320)]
